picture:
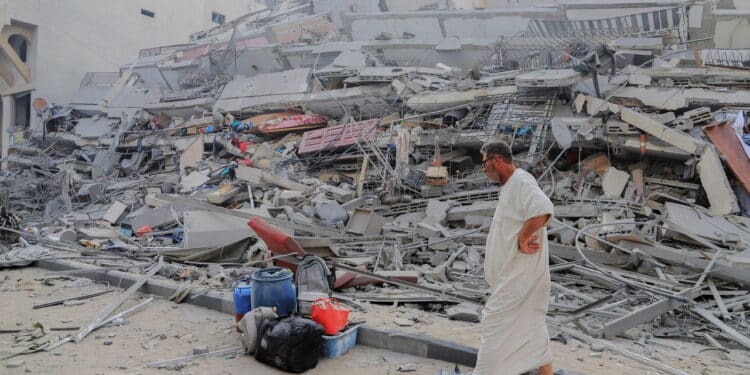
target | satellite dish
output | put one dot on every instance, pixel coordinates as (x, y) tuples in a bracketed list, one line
[(39, 105), (562, 134)]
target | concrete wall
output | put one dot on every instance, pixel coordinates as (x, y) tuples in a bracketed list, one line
[(732, 21), (732, 33), (434, 26), (408, 5), (340, 6)]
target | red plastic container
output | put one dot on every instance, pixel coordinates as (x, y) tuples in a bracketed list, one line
[(329, 313)]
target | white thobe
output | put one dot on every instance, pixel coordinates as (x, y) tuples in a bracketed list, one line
[(514, 332)]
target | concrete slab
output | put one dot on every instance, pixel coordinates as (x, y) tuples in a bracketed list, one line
[(114, 212), (475, 209), (365, 222), (206, 229), (614, 182), (549, 78), (436, 211), (193, 180), (714, 181), (655, 128), (192, 155), (464, 312)]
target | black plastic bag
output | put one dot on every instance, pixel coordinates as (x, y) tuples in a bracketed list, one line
[(292, 344)]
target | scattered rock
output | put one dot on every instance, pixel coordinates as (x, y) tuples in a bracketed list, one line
[(15, 363), (596, 347), (200, 350), (464, 312), (407, 367), (403, 322)]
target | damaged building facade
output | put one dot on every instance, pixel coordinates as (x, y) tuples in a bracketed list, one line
[(351, 130)]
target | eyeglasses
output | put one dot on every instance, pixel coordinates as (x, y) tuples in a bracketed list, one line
[(486, 160)]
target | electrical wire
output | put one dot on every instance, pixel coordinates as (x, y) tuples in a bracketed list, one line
[(617, 277)]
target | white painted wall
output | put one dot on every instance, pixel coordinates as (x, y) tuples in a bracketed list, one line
[(77, 36), (732, 33), (409, 5)]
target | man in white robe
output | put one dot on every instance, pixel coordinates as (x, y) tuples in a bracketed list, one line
[(514, 333)]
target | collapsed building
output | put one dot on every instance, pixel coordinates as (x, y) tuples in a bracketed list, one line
[(356, 132)]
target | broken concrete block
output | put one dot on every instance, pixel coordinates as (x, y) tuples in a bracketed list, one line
[(409, 219), (403, 322), (288, 197), (337, 193), (655, 128), (438, 274), (436, 211), (459, 266), (427, 230), (114, 212), (431, 191), (251, 175), (568, 236), (257, 176), (15, 363), (154, 201), (475, 209), (714, 181), (99, 233), (193, 180), (474, 221), (200, 350), (192, 155), (354, 203), (740, 260), (330, 211), (614, 182), (638, 79), (300, 218), (464, 312), (365, 222), (576, 211), (474, 239), (206, 229)]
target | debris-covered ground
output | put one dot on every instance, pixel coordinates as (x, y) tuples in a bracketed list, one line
[(162, 332), (369, 159)]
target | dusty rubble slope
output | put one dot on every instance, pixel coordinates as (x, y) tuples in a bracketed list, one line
[(357, 137)]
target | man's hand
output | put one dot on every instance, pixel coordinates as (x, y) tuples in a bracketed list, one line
[(529, 245)]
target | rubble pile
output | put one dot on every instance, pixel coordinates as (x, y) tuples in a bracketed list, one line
[(370, 160)]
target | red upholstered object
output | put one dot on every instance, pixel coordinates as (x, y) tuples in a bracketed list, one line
[(277, 241)]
